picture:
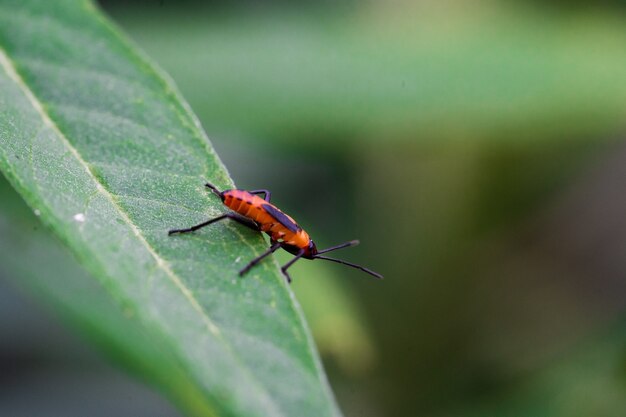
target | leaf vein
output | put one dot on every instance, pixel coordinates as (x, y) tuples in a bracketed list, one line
[(11, 71), (47, 121)]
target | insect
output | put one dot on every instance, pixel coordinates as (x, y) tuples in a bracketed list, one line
[(259, 214)]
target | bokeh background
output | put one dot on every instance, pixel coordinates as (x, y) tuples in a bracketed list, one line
[(474, 147)]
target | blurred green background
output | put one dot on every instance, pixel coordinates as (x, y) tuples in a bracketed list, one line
[(474, 147)]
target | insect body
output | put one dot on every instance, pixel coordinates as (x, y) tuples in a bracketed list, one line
[(279, 226), (259, 214)]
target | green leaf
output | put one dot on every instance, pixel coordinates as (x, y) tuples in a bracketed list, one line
[(33, 259), (101, 146)]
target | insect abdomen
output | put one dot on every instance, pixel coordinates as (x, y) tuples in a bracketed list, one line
[(272, 221), (244, 203)]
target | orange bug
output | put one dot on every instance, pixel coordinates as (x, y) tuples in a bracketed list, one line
[(259, 214)]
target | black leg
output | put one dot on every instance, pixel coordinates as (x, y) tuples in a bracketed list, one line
[(245, 221), (267, 197), (291, 262), (239, 219), (258, 259), (214, 189)]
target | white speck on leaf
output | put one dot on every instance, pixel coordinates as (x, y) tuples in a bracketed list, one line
[(37, 212), (238, 259), (79, 217)]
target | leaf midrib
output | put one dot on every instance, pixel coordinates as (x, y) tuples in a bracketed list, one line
[(9, 68)]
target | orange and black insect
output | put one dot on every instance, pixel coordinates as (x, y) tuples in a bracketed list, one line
[(259, 214)]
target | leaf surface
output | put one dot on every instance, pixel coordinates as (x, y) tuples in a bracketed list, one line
[(102, 147)]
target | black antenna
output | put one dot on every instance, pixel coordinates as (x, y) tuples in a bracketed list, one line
[(375, 274), (340, 246)]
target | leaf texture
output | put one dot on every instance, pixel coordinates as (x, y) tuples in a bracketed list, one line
[(102, 146)]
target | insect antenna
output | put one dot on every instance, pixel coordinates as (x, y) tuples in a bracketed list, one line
[(340, 246), (339, 261)]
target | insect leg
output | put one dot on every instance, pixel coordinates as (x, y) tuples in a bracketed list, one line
[(245, 221), (267, 197), (258, 259), (239, 219), (291, 262), (214, 189)]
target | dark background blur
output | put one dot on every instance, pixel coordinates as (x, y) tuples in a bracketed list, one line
[(474, 147)]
